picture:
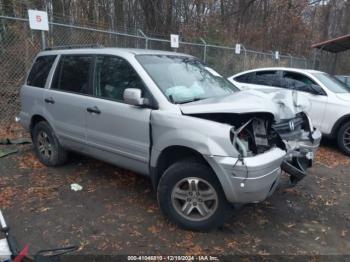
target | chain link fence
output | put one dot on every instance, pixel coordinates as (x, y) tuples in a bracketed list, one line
[(19, 45)]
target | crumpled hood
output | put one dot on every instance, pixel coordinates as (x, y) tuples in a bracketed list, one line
[(279, 103)]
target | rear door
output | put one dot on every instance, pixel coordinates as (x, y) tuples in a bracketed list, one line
[(32, 93), (116, 131), (66, 100)]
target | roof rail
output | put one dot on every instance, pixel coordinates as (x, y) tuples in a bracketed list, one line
[(74, 47)]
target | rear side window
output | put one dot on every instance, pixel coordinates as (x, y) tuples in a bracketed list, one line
[(40, 71), (246, 78), (72, 74), (267, 78)]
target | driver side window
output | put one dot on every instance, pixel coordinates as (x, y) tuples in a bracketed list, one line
[(112, 76), (299, 82)]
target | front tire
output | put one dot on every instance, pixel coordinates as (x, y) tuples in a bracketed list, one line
[(190, 195), (46, 145), (343, 138)]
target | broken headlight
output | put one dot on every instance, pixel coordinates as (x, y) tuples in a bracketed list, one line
[(252, 137)]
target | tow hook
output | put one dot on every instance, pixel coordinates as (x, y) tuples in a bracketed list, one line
[(296, 169)]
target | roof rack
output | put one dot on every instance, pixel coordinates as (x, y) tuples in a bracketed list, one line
[(74, 47)]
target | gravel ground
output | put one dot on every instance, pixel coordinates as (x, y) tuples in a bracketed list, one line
[(117, 212)]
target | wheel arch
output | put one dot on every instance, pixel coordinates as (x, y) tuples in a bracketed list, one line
[(34, 120), (171, 155), (338, 124)]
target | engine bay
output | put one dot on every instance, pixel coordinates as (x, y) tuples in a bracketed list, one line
[(254, 134), (251, 134)]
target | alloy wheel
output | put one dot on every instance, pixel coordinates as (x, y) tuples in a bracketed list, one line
[(346, 138), (45, 146), (194, 198)]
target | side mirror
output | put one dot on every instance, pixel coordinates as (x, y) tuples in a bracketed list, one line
[(132, 96)]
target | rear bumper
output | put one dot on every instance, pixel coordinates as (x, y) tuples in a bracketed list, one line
[(24, 119), (251, 179)]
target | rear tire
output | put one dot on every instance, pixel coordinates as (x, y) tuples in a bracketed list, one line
[(46, 145), (343, 138), (190, 195)]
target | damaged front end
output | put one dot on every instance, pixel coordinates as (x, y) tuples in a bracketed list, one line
[(269, 133), (264, 148), (296, 136), (301, 140)]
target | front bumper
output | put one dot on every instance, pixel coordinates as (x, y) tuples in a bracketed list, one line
[(306, 146), (251, 179), (300, 155)]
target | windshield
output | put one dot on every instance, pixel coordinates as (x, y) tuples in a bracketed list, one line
[(332, 83), (184, 79)]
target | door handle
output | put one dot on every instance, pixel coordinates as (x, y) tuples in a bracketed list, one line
[(93, 110), (49, 100)]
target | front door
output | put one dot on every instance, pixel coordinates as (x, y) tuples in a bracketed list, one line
[(117, 132), (303, 83)]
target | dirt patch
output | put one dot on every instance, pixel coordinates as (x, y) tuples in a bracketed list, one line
[(29, 161), (328, 155)]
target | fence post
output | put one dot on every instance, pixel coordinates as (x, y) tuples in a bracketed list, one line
[(205, 50), (145, 37), (245, 57), (314, 60), (274, 60), (43, 40)]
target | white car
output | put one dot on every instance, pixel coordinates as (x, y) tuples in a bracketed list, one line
[(329, 97)]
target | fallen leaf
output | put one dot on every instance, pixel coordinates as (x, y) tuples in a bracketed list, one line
[(154, 229)]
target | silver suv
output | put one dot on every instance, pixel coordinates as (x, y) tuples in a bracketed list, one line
[(203, 143)]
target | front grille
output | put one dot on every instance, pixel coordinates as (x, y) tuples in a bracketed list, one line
[(289, 129)]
